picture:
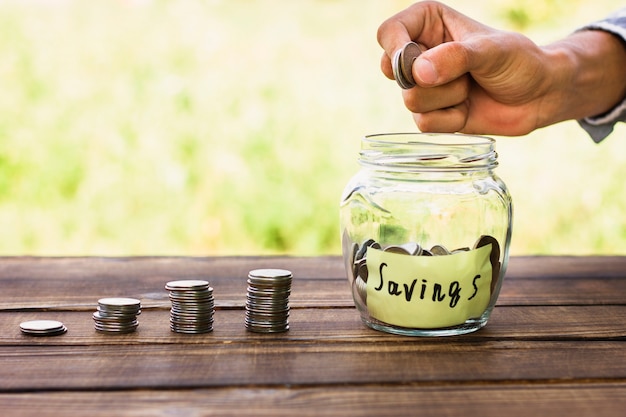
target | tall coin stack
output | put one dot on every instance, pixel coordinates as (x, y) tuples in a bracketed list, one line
[(192, 306), (267, 302), (117, 315)]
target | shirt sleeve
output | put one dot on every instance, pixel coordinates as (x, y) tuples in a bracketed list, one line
[(599, 127)]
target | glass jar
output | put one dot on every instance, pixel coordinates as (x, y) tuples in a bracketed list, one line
[(426, 227)]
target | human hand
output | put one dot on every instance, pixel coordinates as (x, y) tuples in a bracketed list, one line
[(472, 78)]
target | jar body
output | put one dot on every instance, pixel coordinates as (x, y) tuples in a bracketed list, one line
[(426, 227)]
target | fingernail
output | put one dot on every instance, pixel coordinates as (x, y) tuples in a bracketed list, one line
[(425, 71)]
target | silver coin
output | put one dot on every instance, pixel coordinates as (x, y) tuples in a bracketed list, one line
[(270, 273), (254, 297), (265, 323), (117, 314), (397, 72), (118, 311), (191, 326), (369, 243), (191, 318), (397, 249), (361, 270), (254, 300), (113, 319), (194, 307), (494, 257), (439, 250), (269, 284), (412, 248), (361, 288), (191, 331), (108, 329), (112, 328), (207, 289), (268, 313), (187, 285), (350, 258), (270, 329), (119, 302), (267, 305), (459, 250)]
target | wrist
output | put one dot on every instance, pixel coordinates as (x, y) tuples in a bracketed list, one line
[(585, 75)]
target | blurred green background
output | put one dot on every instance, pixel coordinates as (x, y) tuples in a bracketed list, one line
[(231, 127)]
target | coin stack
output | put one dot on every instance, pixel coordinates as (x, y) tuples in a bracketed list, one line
[(117, 315), (267, 302), (192, 306), (43, 328)]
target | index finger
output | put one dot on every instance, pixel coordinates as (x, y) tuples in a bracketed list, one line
[(421, 22)]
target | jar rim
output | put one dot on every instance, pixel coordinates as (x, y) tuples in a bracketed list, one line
[(428, 152), (423, 138)]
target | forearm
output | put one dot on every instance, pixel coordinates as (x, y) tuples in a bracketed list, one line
[(588, 73)]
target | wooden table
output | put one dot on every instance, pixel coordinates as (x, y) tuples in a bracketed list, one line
[(555, 345)]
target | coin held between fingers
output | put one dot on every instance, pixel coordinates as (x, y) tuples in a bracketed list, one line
[(402, 64)]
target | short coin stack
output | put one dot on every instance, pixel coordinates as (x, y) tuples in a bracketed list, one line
[(43, 328), (117, 315), (267, 302), (192, 306)]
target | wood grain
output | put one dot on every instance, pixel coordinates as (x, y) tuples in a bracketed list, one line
[(554, 344), (77, 283), (604, 399)]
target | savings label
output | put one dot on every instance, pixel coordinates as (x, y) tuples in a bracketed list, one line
[(428, 291)]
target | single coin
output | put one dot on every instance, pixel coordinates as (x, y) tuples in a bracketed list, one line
[(494, 257), (485, 240), (361, 268), (439, 250), (364, 247), (397, 249), (395, 67), (361, 288), (121, 302), (409, 54), (412, 248), (269, 273), (43, 328), (187, 285)]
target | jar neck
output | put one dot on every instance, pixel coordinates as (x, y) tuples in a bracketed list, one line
[(428, 152)]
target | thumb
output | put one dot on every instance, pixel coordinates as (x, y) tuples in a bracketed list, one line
[(444, 63)]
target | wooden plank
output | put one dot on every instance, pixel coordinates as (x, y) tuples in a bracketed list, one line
[(304, 364), (323, 325), (77, 283), (487, 400), (554, 345), (324, 346)]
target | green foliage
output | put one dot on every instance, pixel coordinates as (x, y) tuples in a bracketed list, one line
[(523, 14), (226, 127)]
